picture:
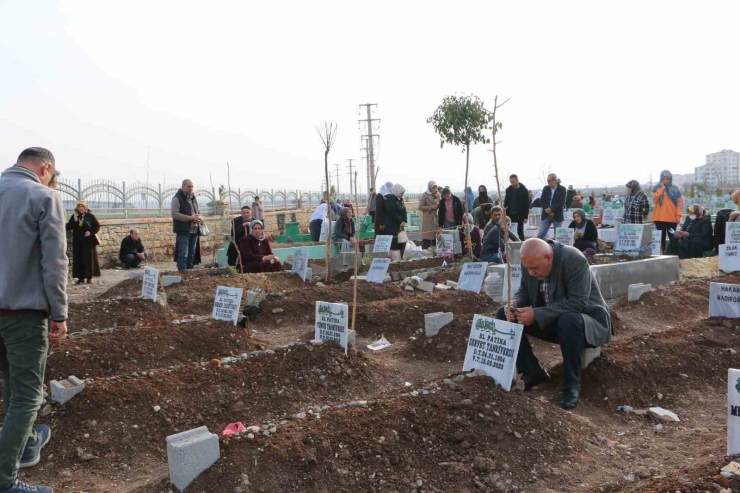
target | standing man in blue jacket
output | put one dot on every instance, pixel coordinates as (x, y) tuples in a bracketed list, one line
[(33, 306), (553, 203)]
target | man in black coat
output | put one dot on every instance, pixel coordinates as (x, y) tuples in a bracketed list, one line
[(553, 203), (132, 251), (239, 230), (516, 204)]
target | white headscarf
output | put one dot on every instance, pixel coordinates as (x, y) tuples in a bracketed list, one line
[(386, 189), (429, 187), (398, 190)]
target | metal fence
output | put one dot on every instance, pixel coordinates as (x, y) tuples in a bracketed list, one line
[(109, 199)]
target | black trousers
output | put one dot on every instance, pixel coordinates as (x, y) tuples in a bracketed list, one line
[(693, 247), (425, 244), (569, 331), (519, 220), (314, 228), (664, 227)]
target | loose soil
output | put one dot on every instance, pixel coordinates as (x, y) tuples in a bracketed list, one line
[(124, 312), (127, 351)]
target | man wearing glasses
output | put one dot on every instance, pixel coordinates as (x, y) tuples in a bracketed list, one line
[(553, 203), (33, 305)]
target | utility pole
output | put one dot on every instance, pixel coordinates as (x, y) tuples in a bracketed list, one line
[(369, 148), (351, 166), (337, 168)]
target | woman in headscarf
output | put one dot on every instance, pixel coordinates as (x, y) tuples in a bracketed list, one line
[(577, 203), (450, 210), (586, 235), (344, 227), (537, 202), (476, 237), (395, 216), (695, 236), (379, 225), (429, 205), (85, 227), (256, 252), (636, 205), (316, 220), (481, 199), (469, 198), (668, 206)]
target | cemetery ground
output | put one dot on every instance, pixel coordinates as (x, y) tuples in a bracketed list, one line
[(399, 420)]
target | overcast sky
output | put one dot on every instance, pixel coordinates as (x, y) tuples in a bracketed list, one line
[(600, 93)]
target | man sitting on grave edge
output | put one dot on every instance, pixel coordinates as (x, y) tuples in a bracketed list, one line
[(558, 301), (132, 251)]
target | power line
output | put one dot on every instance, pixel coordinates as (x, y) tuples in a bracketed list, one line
[(351, 166), (337, 175), (369, 148)]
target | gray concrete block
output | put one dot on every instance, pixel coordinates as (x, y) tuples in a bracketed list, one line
[(425, 286), (590, 355), (137, 274), (441, 287), (635, 291), (351, 337), (170, 280), (614, 279), (451, 284), (433, 322), (63, 391), (189, 454)]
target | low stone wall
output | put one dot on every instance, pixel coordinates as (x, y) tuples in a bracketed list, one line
[(158, 238)]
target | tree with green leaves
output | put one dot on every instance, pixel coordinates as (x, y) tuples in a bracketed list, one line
[(462, 120)]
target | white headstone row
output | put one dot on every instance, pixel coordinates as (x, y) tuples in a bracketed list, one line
[(332, 323)]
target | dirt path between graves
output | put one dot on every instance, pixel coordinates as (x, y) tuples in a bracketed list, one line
[(408, 428)]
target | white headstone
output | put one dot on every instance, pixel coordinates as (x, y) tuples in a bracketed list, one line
[(149, 284), (471, 276), (378, 270), (656, 241), (325, 226), (565, 235), (724, 300), (300, 262), (445, 245), (492, 348), (729, 258), (733, 412), (227, 304), (610, 216), (516, 280), (629, 238), (332, 322), (732, 234), (382, 243)]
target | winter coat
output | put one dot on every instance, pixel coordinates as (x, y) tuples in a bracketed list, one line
[(395, 214), (428, 205), (519, 195), (557, 204), (456, 207)]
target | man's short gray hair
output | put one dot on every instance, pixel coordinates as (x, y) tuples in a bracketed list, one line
[(552, 176)]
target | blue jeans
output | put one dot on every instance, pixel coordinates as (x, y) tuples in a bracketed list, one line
[(186, 250), (131, 260), (545, 225), (494, 258)]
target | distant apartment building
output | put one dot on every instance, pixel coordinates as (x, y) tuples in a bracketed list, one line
[(722, 169), (683, 180)]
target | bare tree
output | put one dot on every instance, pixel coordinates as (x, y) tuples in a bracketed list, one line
[(328, 136)]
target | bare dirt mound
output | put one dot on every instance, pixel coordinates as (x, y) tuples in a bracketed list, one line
[(670, 362), (697, 479), (402, 317), (446, 275), (476, 438), (136, 350), (449, 345), (116, 421), (664, 307), (103, 314)]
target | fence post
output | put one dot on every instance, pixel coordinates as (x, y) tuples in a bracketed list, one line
[(125, 209), (79, 190), (161, 200), (285, 198)]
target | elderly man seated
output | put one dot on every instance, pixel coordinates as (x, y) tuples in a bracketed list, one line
[(558, 301), (132, 250)]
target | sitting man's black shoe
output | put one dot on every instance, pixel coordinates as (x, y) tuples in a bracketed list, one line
[(569, 399), (534, 378)]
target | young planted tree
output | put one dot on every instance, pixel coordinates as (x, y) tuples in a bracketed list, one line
[(328, 136), (462, 120), (496, 126)]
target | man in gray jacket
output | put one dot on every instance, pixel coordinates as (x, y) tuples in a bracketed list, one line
[(558, 301), (33, 306)]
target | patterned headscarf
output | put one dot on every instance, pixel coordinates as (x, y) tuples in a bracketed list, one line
[(346, 222), (673, 192)]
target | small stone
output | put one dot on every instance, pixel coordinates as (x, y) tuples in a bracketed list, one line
[(642, 472), (266, 433), (320, 285), (721, 480), (45, 411), (683, 375), (731, 351), (658, 427), (278, 310), (663, 414), (250, 436), (300, 415), (630, 478), (726, 474), (659, 396), (157, 409), (732, 468), (458, 378), (466, 402), (517, 434)]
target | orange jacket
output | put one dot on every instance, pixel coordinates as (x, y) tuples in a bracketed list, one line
[(668, 212)]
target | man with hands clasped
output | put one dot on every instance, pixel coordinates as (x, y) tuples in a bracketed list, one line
[(558, 301)]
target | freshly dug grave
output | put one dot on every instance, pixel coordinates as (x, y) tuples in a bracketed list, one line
[(126, 312), (475, 438), (402, 317), (127, 351), (123, 426), (634, 371), (695, 268), (446, 275), (449, 345), (665, 307)]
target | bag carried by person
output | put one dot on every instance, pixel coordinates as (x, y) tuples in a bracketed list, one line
[(403, 237), (203, 229)]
